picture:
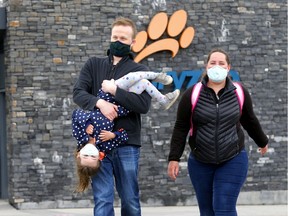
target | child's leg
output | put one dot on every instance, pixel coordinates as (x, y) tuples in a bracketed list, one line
[(146, 85), (138, 82), (166, 101), (171, 98), (130, 79)]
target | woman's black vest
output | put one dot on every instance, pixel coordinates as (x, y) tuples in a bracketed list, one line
[(217, 135)]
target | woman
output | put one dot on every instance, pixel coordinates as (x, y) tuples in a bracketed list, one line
[(218, 162)]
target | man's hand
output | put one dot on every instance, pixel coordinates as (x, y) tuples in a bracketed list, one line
[(109, 110), (173, 169), (109, 86), (106, 135)]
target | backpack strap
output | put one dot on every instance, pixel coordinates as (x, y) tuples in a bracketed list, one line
[(194, 98), (240, 94), (195, 95)]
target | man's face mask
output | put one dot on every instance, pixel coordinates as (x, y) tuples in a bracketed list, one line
[(89, 150), (119, 49), (217, 73)]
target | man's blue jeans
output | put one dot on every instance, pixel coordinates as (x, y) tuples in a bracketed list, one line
[(122, 163), (217, 186)]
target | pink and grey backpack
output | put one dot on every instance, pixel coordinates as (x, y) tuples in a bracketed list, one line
[(196, 91)]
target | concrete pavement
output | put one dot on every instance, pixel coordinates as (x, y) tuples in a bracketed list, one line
[(243, 210)]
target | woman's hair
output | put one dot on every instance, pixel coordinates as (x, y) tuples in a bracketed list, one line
[(220, 51), (122, 21), (209, 56), (84, 173)]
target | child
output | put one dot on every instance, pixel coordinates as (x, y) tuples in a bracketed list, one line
[(93, 130)]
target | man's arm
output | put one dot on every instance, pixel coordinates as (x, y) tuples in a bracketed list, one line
[(83, 87), (82, 94), (108, 109), (139, 103)]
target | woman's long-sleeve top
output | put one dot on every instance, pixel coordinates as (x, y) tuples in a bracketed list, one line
[(217, 134)]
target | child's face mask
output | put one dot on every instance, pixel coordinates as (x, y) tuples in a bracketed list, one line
[(89, 150)]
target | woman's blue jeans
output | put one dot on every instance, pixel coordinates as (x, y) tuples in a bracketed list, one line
[(122, 163), (217, 187)]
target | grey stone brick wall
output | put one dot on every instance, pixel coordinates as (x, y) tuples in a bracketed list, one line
[(48, 42)]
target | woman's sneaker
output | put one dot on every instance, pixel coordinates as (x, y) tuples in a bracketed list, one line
[(163, 78), (171, 98)]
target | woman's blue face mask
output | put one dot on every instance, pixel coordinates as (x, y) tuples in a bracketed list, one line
[(217, 73)]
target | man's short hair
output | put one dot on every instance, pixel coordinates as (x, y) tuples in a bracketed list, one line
[(125, 22)]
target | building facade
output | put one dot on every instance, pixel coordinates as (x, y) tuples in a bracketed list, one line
[(44, 45)]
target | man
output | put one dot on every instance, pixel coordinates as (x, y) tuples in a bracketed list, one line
[(122, 162)]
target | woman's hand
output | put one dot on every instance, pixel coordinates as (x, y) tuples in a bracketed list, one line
[(173, 169), (263, 150)]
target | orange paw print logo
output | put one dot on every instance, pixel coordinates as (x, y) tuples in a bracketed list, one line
[(157, 26)]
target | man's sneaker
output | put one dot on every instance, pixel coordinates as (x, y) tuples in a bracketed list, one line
[(163, 78), (171, 98)]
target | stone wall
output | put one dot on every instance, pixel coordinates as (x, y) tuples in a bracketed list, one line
[(48, 42)]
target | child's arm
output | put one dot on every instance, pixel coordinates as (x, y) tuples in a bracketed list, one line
[(89, 129), (119, 136), (106, 135), (78, 127)]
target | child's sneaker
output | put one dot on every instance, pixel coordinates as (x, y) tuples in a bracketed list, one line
[(163, 78), (171, 98)]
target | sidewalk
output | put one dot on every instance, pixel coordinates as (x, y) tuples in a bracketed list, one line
[(243, 210)]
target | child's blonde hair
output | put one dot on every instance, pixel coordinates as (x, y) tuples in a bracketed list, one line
[(84, 173)]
